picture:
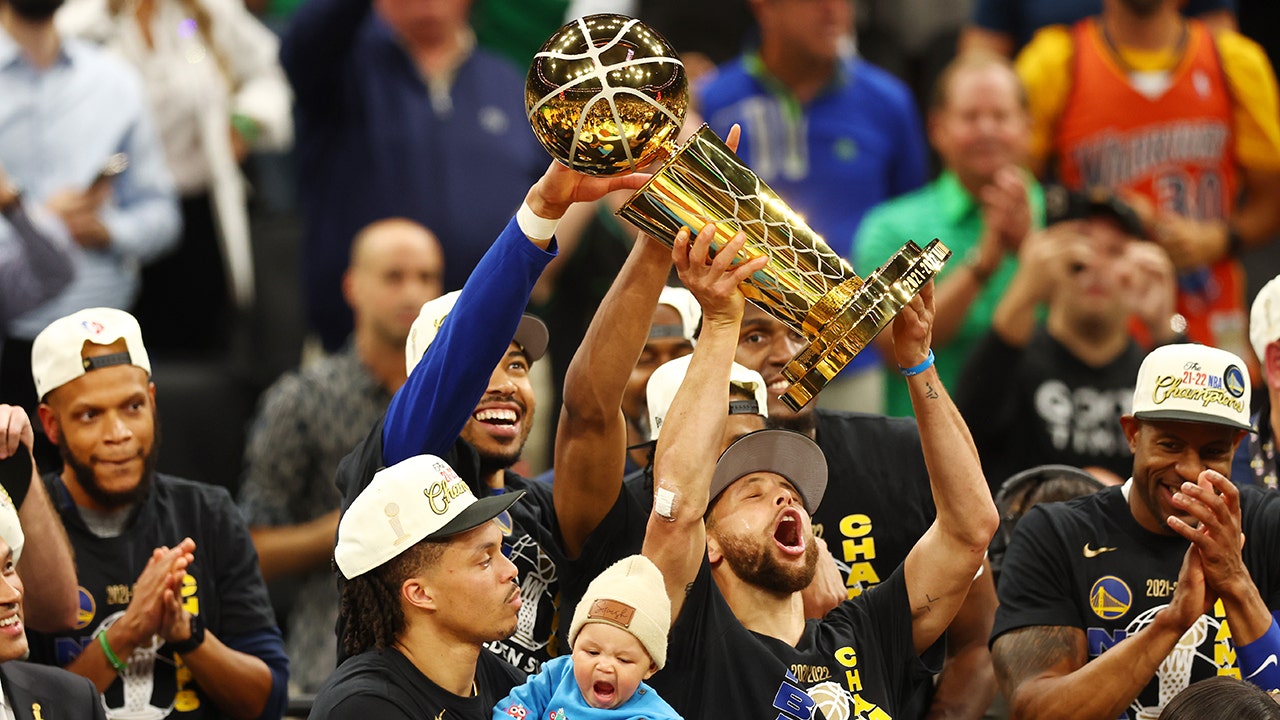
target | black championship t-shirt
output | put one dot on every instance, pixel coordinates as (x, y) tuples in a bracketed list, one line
[(384, 685), (857, 662), (620, 534), (877, 505), (529, 539), (1086, 563), (878, 501), (222, 586)]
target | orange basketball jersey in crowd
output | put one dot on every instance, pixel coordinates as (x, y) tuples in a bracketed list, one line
[(1173, 147)]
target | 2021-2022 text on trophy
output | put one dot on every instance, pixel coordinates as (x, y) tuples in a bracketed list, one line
[(606, 95)]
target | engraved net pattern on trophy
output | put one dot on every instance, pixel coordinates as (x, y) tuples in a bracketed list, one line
[(606, 96), (882, 295), (712, 185)]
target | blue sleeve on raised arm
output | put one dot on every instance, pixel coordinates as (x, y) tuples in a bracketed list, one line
[(429, 411)]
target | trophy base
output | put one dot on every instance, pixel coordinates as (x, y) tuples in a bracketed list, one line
[(865, 309)]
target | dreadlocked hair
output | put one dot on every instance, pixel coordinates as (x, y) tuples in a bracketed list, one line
[(371, 602)]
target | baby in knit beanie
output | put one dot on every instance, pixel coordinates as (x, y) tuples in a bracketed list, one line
[(619, 640)]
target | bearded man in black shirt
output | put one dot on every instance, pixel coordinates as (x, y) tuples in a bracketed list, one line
[(174, 615), (1112, 603), (735, 542), (877, 505)]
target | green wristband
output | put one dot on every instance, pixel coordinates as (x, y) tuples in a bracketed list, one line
[(246, 126), (111, 656)]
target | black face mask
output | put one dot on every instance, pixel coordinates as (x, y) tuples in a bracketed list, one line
[(35, 10)]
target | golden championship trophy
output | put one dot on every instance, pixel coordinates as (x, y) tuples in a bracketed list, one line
[(607, 95)]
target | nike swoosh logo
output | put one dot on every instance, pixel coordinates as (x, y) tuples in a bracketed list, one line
[(1091, 553), (1271, 660)]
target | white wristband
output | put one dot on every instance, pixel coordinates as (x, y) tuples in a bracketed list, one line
[(533, 226)]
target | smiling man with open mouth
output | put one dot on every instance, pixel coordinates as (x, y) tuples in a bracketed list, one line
[(1121, 599)]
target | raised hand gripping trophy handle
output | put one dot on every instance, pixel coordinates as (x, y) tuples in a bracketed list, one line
[(606, 95)]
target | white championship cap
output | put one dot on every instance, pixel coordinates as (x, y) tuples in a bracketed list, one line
[(415, 499), (686, 306), (57, 353), (665, 382), (531, 334), (1193, 383), (1264, 319), (10, 528)]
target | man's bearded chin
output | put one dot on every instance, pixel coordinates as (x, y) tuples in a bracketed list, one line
[(758, 567), (113, 500), (493, 462)]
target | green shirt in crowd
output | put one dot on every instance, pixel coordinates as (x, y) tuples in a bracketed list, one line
[(943, 209), (517, 28)]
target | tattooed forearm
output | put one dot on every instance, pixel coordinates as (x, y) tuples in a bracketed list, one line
[(928, 606), (1027, 652)]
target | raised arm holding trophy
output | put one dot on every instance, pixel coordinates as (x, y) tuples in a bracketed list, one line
[(607, 95)]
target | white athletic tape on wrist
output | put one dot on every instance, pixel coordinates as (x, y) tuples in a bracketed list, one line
[(535, 226)]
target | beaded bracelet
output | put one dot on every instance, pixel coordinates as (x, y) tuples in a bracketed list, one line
[(917, 369)]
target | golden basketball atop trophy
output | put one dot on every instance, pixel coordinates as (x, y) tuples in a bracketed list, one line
[(606, 94)]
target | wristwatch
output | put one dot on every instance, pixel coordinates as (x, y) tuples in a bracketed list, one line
[(197, 637)]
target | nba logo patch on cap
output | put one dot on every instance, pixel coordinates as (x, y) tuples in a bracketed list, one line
[(57, 353)]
